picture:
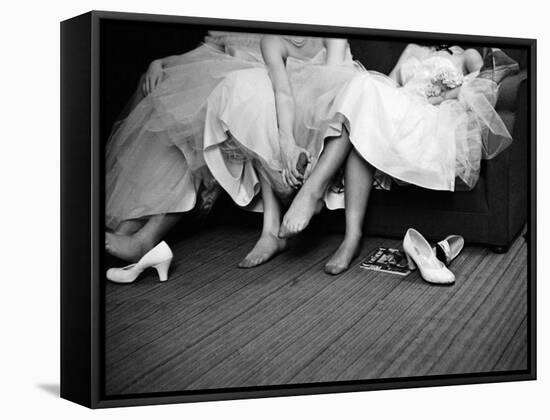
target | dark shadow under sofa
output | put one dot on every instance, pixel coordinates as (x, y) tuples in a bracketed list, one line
[(493, 212)]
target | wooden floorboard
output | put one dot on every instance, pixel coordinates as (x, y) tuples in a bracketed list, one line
[(213, 325), (514, 356)]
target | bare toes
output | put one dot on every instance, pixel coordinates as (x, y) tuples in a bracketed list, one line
[(267, 247), (284, 232), (335, 269), (252, 261), (248, 262), (245, 263)]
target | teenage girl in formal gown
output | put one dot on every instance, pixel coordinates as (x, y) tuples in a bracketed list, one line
[(155, 169), (274, 120)]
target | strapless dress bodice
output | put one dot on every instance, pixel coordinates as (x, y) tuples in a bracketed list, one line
[(419, 73)]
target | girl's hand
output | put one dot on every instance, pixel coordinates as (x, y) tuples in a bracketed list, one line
[(153, 76), (445, 96), (435, 100), (293, 159)]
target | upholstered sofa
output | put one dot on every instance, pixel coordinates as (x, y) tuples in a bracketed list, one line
[(494, 211)]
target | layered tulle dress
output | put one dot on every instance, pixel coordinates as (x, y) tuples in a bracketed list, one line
[(154, 156), (407, 139), (241, 131)]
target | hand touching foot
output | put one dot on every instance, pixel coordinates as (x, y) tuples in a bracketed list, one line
[(266, 248), (344, 255)]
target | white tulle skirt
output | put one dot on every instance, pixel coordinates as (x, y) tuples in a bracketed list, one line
[(410, 141), (154, 157), (241, 130)]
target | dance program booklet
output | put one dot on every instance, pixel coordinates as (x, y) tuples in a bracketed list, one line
[(388, 260)]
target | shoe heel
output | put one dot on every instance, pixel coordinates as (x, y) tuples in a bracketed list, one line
[(410, 262), (162, 269)]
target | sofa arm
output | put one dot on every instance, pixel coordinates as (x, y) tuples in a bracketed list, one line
[(507, 174), (508, 91)]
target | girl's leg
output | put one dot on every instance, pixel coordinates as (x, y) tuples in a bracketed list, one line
[(269, 243), (358, 180), (129, 227), (308, 201), (133, 247), (134, 238)]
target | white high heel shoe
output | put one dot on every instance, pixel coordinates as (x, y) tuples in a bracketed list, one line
[(159, 257), (420, 254)]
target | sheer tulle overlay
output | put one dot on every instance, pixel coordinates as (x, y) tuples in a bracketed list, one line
[(154, 158), (241, 122), (411, 141)]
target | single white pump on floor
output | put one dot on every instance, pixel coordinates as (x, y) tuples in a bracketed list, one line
[(160, 258), (420, 254)]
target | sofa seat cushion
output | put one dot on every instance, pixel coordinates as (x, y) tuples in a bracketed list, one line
[(411, 196)]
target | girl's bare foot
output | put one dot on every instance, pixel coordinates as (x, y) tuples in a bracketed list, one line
[(304, 206), (266, 248), (126, 247), (344, 255)]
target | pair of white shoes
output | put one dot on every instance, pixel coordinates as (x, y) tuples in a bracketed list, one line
[(160, 258), (420, 254)]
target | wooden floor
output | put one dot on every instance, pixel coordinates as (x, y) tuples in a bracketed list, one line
[(213, 325)]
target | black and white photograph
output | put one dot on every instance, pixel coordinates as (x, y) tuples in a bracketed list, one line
[(281, 210), (298, 208)]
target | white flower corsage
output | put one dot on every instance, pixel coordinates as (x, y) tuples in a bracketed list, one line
[(443, 81)]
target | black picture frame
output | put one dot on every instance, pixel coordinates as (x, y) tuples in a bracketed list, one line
[(82, 215)]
